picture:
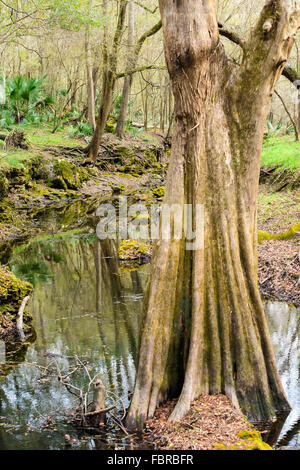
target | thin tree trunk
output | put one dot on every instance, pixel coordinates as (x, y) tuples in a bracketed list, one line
[(128, 78), (90, 83), (294, 124), (205, 330), (109, 80)]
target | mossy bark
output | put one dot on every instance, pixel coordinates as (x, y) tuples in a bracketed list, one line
[(205, 330)]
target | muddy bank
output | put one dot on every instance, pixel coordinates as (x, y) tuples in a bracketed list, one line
[(211, 424)]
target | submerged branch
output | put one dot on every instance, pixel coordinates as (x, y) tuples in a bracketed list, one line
[(20, 315)]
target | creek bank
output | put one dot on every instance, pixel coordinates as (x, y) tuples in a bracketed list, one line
[(12, 292), (61, 175), (211, 424)]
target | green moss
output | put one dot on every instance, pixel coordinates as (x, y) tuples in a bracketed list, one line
[(3, 186), (143, 217), (249, 440), (246, 434), (110, 126), (158, 192), (258, 444), (117, 188), (220, 447), (12, 292), (131, 249), (8, 214), (287, 235), (68, 176)]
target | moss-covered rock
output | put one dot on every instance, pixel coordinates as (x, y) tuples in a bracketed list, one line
[(248, 440), (8, 214), (19, 175), (132, 250), (58, 182), (12, 292), (159, 192), (68, 176), (3, 186), (111, 124)]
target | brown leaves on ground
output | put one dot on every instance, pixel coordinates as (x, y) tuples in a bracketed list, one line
[(279, 269), (212, 419), (279, 261)]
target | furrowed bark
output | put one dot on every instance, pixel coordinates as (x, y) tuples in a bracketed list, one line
[(205, 330)]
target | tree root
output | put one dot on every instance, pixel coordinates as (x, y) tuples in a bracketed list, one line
[(287, 235)]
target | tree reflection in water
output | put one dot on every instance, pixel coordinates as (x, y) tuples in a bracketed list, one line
[(86, 304)]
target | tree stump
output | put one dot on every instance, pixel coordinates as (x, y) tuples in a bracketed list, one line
[(97, 417), (16, 139)]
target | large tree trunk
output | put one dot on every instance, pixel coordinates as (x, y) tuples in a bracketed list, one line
[(205, 330)]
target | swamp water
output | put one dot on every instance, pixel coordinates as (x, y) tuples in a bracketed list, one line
[(87, 304)]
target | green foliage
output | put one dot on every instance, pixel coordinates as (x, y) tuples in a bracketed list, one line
[(82, 129), (27, 101), (7, 119), (135, 131), (273, 130), (75, 14)]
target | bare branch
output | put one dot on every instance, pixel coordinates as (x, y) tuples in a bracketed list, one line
[(145, 7), (231, 35), (141, 69)]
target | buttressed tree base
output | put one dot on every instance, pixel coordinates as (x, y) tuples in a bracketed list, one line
[(205, 330)]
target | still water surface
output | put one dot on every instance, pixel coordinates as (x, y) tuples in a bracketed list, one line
[(87, 304)]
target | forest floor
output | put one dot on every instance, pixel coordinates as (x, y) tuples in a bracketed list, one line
[(279, 260), (211, 424)]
